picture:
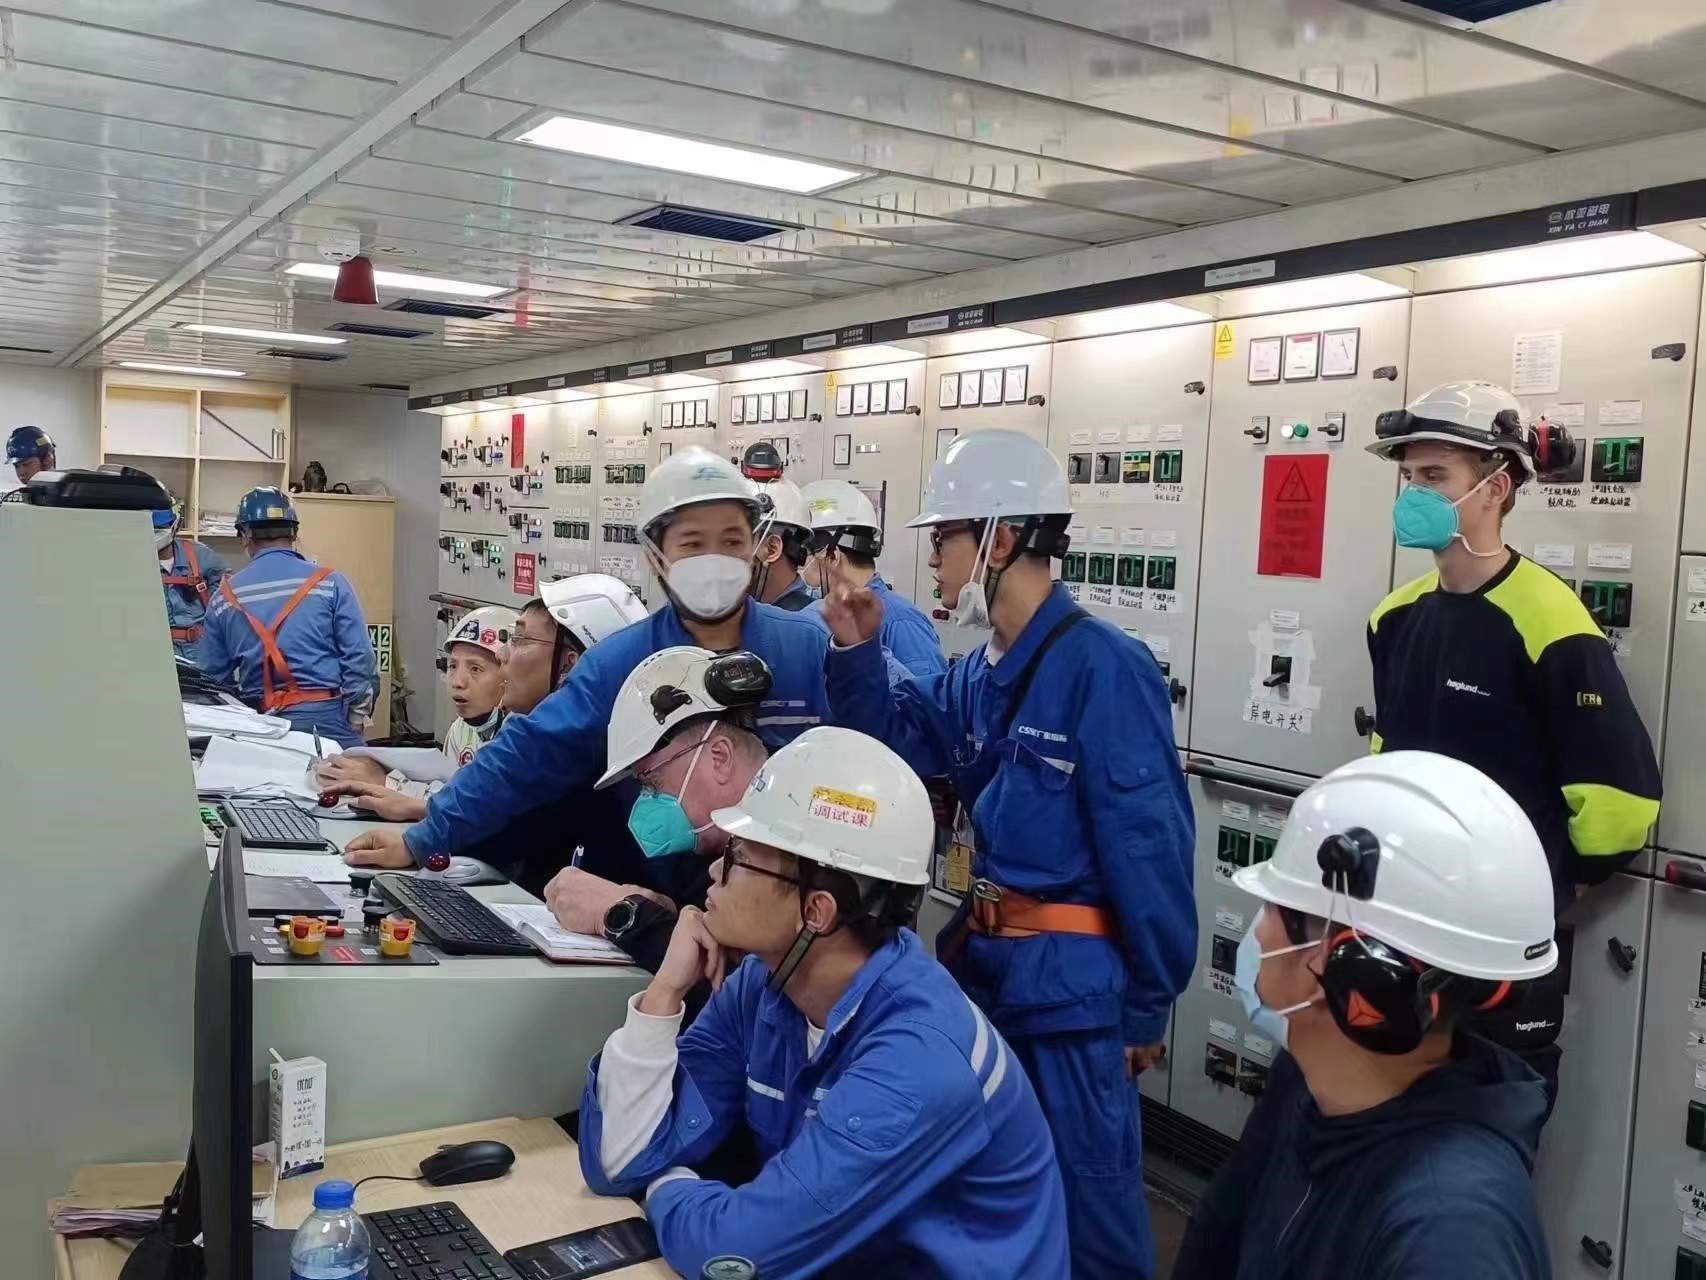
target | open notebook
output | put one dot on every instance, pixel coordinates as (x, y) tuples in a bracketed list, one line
[(535, 922)]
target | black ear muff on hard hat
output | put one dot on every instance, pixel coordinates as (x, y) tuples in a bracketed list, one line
[(1554, 449), (1381, 999)]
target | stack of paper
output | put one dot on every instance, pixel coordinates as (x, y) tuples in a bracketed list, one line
[(280, 767), (218, 524), (238, 721), (114, 1200)]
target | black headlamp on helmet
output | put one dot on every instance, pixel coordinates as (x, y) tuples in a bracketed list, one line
[(1454, 414)]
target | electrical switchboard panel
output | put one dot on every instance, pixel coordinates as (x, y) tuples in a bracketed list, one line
[(1137, 405)]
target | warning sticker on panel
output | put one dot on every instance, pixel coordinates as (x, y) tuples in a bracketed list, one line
[(1294, 516), (842, 806)]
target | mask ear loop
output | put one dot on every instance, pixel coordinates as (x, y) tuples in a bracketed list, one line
[(1480, 555)]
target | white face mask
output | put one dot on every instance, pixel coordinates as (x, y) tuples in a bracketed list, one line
[(972, 608), (709, 588)]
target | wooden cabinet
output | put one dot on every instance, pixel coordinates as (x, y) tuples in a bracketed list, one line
[(356, 535)]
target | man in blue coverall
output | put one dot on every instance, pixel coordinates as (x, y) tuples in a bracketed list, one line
[(698, 516), (897, 1135), (1080, 929), (847, 539), (291, 631), (190, 573)]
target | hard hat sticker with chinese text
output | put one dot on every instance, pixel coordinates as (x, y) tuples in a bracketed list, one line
[(842, 806)]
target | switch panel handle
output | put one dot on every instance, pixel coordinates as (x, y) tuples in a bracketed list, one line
[(1621, 953), (1598, 1250), (1212, 771), (1363, 721)]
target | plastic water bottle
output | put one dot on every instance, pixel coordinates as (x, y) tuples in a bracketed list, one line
[(332, 1244)]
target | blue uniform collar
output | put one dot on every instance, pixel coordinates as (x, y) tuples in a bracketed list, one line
[(1052, 610), (276, 551), (676, 632), (878, 585), (778, 1009)]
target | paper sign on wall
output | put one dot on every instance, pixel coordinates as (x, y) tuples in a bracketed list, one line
[(1537, 363), (526, 573), (1294, 516)]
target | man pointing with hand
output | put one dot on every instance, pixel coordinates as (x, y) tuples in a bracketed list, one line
[(1080, 929)]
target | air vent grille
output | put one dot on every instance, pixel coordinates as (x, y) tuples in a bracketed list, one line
[(377, 330), (1476, 10), (432, 307), (682, 221), (386, 386), (320, 357)]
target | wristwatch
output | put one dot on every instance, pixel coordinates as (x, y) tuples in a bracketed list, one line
[(621, 917)]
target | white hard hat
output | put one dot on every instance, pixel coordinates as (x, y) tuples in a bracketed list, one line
[(487, 628), (670, 686), (689, 477), (1468, 414), (787, 503), (844, 800), (994, 474), (1460, 881), (840, 504), (591, 606)]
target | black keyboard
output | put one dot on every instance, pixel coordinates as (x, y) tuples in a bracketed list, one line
[(432, 1242), (457, 922), (275, 824)]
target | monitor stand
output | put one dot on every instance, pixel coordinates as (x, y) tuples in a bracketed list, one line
[(154, 1259)]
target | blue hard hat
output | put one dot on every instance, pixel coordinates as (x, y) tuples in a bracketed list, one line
[(27, 442), (266, 505)]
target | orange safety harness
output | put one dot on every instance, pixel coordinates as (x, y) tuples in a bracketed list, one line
[(273, 665), (191, 578)]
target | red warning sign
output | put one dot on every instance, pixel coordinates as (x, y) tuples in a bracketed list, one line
[(517, 441), (526, 573), (1294, 515)]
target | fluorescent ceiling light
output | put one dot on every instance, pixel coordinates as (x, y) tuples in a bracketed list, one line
[(970, 340), (193, 370), (407, 281), (1139, 316), (1323, 291), (877, 353), (262, 335), (1613, 252), (772, 369), (683, 155)]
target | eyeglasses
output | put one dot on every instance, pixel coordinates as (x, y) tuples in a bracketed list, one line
[(942, 532), (731, 860), (645, 775), (518, 638), (1300, 924)]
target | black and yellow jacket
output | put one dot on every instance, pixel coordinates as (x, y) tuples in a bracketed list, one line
[(1518, 680)]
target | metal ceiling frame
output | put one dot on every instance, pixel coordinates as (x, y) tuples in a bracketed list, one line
[(505, 25)]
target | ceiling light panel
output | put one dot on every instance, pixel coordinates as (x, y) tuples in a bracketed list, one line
[(879, 93), (1612, 252), (193, 370), (1296, 295), (817, 215), (921, 144), (1132, 319), (685, 155), (262, 335)]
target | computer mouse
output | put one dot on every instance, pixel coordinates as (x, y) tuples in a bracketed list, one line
[(467, 1162), (471, 871)]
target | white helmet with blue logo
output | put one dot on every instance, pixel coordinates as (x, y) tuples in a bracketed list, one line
[(689, 478)]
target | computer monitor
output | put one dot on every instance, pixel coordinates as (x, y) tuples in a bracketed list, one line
[(212, 1198)]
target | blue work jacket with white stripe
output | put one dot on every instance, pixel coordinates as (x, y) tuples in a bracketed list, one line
[(1076, 797), (909, 1145), (560, 745), (324, 639)]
